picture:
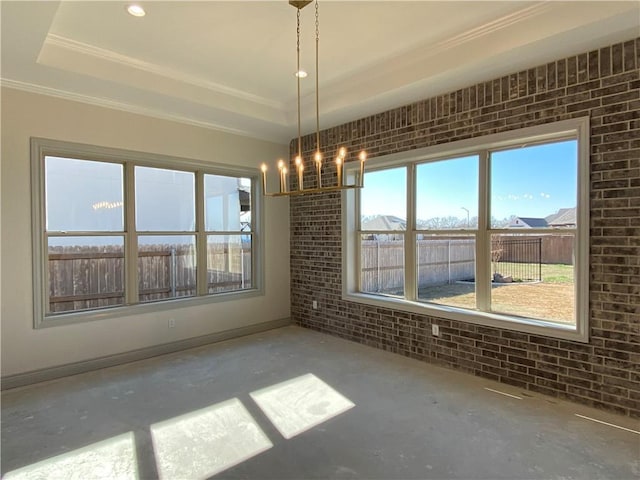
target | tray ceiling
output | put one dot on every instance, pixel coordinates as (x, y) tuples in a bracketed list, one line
[(229, 65)]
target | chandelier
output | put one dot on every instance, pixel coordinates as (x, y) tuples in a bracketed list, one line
[(299, 163)]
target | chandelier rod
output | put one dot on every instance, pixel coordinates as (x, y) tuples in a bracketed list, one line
[(317, 88), (298, 78)]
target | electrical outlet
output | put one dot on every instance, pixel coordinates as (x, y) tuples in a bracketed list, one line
[(435, 330), (314, 305), (172, 323)]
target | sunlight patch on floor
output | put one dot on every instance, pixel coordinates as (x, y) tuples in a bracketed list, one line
[(207, 441), (112, 459), (299, 404)]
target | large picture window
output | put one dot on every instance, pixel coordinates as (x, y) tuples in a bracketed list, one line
[(118, 229), (491, 230), (85, 234)]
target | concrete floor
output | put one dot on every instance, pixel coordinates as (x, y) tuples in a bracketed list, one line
[(410, 420)]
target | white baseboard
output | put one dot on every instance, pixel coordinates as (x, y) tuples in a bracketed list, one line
[(45, 374)]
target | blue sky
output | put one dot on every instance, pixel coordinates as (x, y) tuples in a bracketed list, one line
[(84, 195), (533, 181)]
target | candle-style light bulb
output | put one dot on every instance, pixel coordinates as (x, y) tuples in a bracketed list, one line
[(300, 167), (363, 158), (263, 167), (284, 179), (342, 152), (281, 168), (318, 159)]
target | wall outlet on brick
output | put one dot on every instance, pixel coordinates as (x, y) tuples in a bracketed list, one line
[(314, 304), (435, 330)]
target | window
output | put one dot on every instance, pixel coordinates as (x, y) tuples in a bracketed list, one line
[(229, 233), (84, 225), (491, 230), (123, 229), (446, 226), (165, 209), (383, 227)]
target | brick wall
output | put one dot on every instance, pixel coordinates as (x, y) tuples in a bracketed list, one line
[(605, 373)]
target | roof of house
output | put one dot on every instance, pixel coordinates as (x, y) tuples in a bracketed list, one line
[(529, 222), (564, 216), (385, 222), (245, 200)]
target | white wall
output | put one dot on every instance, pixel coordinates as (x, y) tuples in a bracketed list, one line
[(26, 115)]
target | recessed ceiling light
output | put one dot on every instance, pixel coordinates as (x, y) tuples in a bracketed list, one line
[(136, 10), (301, 74)]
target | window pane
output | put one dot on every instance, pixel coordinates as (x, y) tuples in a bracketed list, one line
[(447, 270), (166, 267), (535, 187), (228, 263), (447, 194), (227, 203), (165, 200), (383, 203), (85, 273), (533, 276), (83, 196), (382, 264)]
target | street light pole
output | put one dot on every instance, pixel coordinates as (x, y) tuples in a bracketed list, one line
[(466, 210)]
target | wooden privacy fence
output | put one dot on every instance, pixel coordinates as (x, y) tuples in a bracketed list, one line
[(439, 262), (557, 249), (554, 249), (83, 277), (443, 261), (381, 265)]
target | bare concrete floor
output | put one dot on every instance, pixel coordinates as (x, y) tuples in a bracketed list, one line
[(411, 420)]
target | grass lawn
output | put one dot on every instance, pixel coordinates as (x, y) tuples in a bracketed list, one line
[(552, 299), (550, 273)]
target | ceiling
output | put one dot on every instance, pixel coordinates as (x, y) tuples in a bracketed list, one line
[(229, 65)]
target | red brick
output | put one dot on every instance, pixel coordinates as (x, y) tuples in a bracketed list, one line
[(603, 84)]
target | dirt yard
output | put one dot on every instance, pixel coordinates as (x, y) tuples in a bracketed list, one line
[(549, 301)]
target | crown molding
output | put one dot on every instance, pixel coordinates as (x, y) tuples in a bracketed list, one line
[(493, 26), (430, 61), (124, 107), (420, 54), (127, 61)]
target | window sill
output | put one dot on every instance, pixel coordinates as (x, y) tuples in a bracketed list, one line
[(519, 324), (70, 318)]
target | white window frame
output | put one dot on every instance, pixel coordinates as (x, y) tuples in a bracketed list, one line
[(41, 148), (577, 128)]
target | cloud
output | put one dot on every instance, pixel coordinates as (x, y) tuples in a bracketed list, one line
[(513, 197), (544, 195)]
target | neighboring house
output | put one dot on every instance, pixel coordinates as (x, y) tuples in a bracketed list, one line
[(245, 199), (565, 217), (527, 222), (384, 222)]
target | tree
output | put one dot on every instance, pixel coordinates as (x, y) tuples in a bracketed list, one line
[(497, 248)]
